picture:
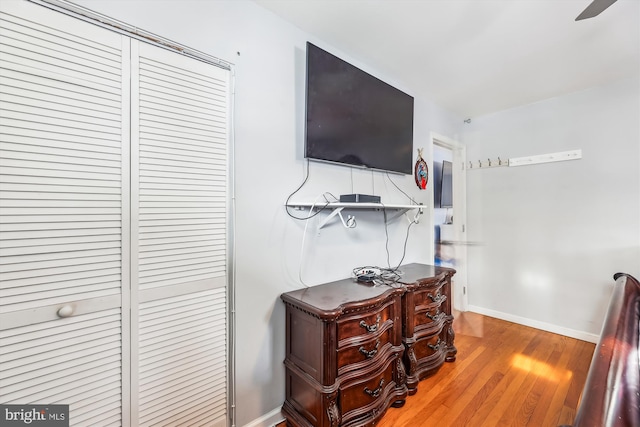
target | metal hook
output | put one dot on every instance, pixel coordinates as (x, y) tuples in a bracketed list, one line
[(416, 217), (350, 222)]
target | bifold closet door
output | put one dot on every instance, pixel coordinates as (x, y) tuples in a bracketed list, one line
[(179, 238), (64, 214), (113, 207)]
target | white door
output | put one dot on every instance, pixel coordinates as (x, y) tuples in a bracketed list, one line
[(458, 226), (179, 154), (64, 210), (113, 192)]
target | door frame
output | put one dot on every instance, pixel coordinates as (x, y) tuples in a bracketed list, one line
[(460, 287)]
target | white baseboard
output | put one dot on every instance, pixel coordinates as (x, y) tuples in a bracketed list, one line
[(584, 336), (267, 420)]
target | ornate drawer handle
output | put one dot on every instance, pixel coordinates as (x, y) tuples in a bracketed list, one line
[(436, 317), (436, 346), (438, 298), (369, 354), (371, 328), (376, 392)]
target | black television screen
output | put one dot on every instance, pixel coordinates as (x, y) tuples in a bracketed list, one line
[(354, 118), (446, 193), (437, 183)]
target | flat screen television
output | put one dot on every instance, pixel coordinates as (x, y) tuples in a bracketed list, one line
[(354, 118), (446, 188), (437, 183)]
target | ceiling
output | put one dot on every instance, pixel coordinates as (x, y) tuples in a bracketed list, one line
[(475, 57)]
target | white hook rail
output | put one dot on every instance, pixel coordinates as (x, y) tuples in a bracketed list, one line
[(523, 161)]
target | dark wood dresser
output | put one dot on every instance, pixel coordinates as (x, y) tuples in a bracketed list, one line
[(345, 345), (427, 321)]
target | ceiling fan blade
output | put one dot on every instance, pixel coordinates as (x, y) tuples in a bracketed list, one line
[(595, 8)]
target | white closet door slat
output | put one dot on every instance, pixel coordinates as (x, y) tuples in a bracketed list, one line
[(51, 360), (48, 89), (169, 372), (181, 142)]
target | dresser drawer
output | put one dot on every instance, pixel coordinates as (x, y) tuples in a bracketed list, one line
[(429, 320), (430, 297), (369, 392), (364, 325), (364, 352), (431, 348)]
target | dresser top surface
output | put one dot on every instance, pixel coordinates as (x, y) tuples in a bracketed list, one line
[(334, 296), (413, 273)]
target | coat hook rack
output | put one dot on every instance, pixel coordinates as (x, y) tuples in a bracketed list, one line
[(489, 164), (529, 160)]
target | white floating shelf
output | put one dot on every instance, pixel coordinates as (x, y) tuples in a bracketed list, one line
[(336, 208)]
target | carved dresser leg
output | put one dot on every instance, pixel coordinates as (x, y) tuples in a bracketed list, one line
[(332, 410), (451, 335)]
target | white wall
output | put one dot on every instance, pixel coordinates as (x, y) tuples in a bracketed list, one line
[(269, 58), (550, 236)]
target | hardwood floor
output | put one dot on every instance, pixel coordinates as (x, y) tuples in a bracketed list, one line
[(505, 375)]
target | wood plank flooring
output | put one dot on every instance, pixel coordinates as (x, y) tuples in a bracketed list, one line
[(505, 375)]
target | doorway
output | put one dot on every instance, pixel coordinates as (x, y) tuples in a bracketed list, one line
[(449, 213)]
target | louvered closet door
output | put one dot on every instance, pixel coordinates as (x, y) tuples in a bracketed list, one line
[(179, 205), (64, 206)]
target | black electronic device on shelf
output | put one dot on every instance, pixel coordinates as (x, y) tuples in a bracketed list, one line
[(359, 198)]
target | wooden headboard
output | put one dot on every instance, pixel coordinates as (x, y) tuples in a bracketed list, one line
[(611, 395)]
